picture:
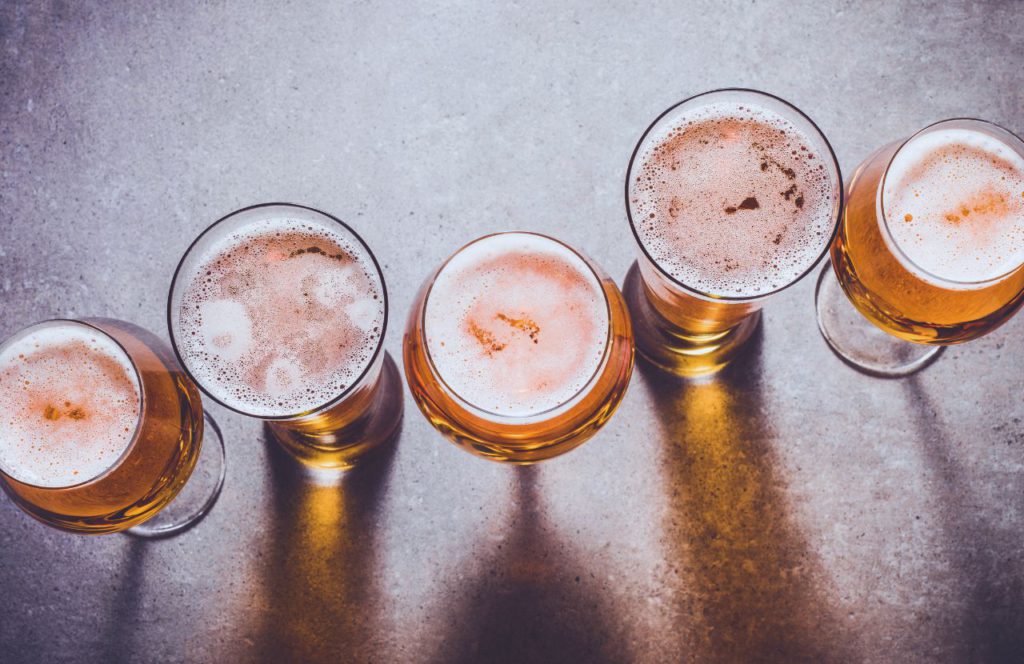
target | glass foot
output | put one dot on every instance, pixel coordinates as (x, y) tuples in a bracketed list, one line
[(677, 351), (198, 495), (338, 439), (859, 342)]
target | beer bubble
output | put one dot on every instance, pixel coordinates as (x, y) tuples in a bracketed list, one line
[(75, 402), (226, 329), (290, 313), (333, 287), (283, 376), (363, 314), (726, 180), (958, 187), (516, 323)]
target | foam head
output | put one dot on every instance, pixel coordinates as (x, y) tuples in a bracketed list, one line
[(516, 324), (277, 311), (733, 199), (70, 402), (953, 199)]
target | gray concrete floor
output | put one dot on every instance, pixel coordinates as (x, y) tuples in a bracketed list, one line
[(791, 510)]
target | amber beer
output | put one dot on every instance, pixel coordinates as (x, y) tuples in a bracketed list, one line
[(100, 427), (518, 348), (733, 195), (931, 247), (278, 311)]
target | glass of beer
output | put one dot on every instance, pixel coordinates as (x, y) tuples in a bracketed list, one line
[(278, 311), (101, 430), (733, 195), (931, 248), (518, 348)]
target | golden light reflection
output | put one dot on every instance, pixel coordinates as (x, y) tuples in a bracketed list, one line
[(747, 583), (323, 507), (318, 573)]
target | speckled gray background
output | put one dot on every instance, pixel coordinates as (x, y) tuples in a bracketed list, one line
[(790, 510)]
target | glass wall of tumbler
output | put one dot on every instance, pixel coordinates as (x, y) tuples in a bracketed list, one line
[(733, 196), (278, 311)]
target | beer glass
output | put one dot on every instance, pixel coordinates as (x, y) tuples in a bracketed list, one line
[(732, 196), (101, 430), (930, 251), (278, 311), (518, 348)]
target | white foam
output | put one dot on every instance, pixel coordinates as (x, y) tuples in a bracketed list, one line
[(516, 324), (291, 312), (363, 313), (333, 288), (69, 404), (954, 204), (226, 329), (283, 376), (732, 199)]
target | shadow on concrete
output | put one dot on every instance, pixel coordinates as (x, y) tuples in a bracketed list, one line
[(535, 602), (745, 579), (991, 627), (125, 608), (319, 574)]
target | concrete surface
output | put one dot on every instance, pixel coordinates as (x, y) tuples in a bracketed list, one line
[(792, 510)]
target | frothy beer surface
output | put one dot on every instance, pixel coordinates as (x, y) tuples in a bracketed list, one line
[(516, 324), (954, 204), (733, 200), (69, 404), (281, 316)]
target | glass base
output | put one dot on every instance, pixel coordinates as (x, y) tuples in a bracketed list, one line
[(677, 351), (860, 343), (336, 440), (198, 495)]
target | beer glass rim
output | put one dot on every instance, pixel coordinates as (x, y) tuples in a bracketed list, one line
[(366, 369), (1001, 133), (138, 380), (548, 412), (840, 201)]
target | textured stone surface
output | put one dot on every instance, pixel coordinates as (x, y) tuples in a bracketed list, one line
[(790, 510)]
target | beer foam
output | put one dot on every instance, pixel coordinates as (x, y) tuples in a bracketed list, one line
[(733, 200), (516, 324), (69, 404), (280, 316), (954, 204)]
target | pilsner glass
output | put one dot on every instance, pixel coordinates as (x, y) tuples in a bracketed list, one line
[(732, 195), (518, 348), (101, 430), (278, 311), (931, 248)]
